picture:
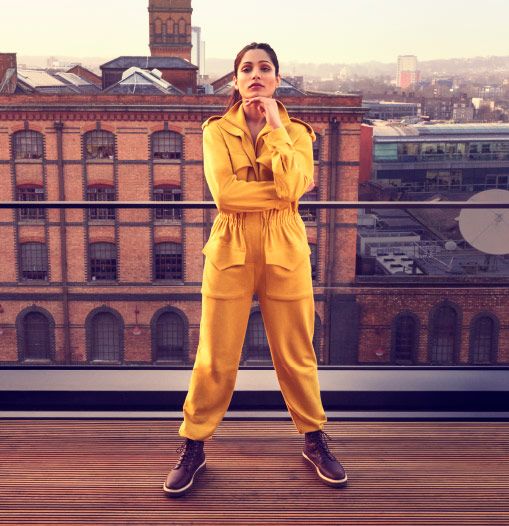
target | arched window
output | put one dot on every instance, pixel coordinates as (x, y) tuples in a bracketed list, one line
[(30, 193), (256, 345), (166, 145), (314, 260), (443, 335), (158, 26), (36, 336), (168, 193), (27, 145), (105, 337), (182, 27), (483, 339), (101, 193), (169, 335), (405, 339), (168, 261), (103, 261), (99, 144), (171, 28), (34, 261)]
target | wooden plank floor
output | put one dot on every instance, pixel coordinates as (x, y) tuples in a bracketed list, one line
[(103, 472)]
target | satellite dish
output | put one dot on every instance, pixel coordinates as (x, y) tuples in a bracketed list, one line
[(486, 229)]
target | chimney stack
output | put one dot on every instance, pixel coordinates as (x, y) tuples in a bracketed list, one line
[(8, 73)]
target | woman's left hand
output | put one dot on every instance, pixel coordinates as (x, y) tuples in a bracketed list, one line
[(267, 106)]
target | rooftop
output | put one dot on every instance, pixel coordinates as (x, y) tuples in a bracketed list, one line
[(148, 62), (489, 129)]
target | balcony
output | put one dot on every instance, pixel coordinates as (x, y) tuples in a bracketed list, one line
[(423, 440), (101, 470)]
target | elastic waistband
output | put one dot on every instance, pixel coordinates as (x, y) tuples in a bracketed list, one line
[(269, 218)]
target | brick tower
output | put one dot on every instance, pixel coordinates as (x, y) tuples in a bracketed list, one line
[(170, 28)]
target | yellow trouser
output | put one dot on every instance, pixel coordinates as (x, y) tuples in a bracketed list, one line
[(289, 325)]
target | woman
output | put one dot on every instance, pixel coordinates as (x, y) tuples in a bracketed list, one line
[(258, 162)]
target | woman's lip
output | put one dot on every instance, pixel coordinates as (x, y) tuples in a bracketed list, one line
[(256, 86)]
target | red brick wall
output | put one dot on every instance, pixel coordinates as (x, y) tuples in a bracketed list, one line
[(366, 153), (132, 130)]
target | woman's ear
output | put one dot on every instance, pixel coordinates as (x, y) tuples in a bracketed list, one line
[(235, 82)]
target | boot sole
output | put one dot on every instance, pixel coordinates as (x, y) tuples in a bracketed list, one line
[(183, 490), (335, 483)]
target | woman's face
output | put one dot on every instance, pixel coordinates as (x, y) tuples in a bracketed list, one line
[(256, 68)]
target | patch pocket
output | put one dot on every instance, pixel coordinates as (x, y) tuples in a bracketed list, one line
[(227, 284), (289, 284)]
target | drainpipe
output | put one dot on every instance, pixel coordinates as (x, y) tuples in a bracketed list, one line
[(59, 126), (331, 231)]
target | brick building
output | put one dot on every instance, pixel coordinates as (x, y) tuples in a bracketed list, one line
[(122, 286)]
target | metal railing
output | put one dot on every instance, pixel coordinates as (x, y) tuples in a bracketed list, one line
[(211, 204), (368, 387)]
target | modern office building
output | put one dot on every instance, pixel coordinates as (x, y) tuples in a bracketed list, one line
[(407, 72), (389, 110), (437, 157)]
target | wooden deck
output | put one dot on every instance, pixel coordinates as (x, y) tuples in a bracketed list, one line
[(110, 471)]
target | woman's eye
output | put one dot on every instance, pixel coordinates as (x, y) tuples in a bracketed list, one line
[(247, 69)]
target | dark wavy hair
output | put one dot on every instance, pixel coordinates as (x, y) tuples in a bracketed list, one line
[(235, 95)]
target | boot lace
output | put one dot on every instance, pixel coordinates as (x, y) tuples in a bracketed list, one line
[(323, 447), (188, 451)]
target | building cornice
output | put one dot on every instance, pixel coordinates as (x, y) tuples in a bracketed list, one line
[(157, 108)]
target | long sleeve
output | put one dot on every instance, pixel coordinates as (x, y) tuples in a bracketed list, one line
[(228, 192), (292, 162)]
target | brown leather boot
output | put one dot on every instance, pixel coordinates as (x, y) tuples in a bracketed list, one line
[(317, 453), (191, 462)]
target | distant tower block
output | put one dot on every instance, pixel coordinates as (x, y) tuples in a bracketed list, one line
[(170, 28)]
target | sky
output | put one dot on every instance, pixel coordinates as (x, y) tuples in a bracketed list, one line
[(316, 31)]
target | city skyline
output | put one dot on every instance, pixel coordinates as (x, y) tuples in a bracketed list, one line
[(55, 28)]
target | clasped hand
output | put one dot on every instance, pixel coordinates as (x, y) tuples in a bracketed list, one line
[(267, 106)]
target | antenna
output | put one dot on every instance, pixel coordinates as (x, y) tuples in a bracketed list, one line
[(486, 229)]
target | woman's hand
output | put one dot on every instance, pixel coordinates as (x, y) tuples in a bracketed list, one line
[(267, 106)]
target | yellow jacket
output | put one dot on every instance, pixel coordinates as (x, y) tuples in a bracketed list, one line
[(269, 177)]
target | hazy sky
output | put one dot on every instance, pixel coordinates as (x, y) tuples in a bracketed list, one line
[(301, 31)]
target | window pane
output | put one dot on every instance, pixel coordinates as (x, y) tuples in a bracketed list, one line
[(103, 261), (166, 145), (168, 261), (99, 144), (28, 145), (101, 194), (170, 337), (168, 194), (105, 337), (30, 194), (34, 261)]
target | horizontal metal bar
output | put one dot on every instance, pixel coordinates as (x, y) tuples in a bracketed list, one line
[(257, 414), (211, 204), (340, 379)]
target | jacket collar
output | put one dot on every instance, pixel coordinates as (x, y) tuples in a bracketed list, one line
[(234, 120)]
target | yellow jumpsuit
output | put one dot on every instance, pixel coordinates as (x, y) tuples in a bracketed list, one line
[(258, 244)]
